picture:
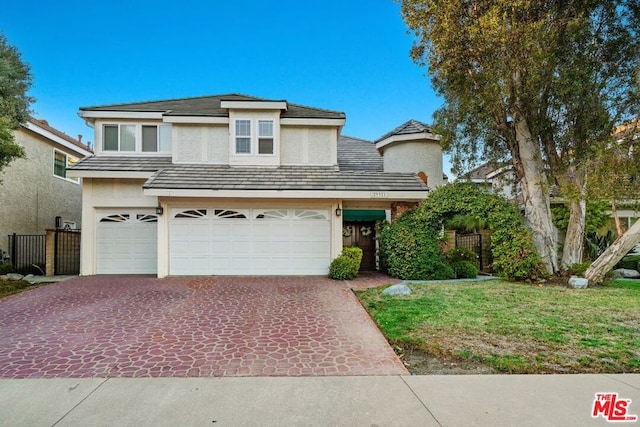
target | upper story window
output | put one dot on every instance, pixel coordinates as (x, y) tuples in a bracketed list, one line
[(243, 136), (62, 161), (134, 138), (254, 137), (265, 136)]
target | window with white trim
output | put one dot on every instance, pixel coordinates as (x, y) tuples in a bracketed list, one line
[(254, 137), (119, 138), (243, 136), (265, 136), (136, 138), (62, 161)]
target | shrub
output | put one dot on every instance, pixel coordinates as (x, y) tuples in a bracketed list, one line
[(465, 269), (409, 249), (579, 268), (460, 254), (346, 266), (6, 268), (631, 262), (514, 254)]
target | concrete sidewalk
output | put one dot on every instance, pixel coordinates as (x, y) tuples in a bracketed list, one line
[(491, 400)]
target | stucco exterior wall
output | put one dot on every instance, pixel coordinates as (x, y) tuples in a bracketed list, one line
[(308, 146), (31, 196), (106, 193), (413, 157), (217, 141), (201, 143)]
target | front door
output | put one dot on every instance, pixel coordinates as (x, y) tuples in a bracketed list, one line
[(361, 235)]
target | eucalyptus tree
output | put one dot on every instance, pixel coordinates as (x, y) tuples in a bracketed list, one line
[(539, 84)]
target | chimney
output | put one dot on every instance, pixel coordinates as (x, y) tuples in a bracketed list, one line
[(79, 139)]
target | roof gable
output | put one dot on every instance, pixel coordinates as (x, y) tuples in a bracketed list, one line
[(409, 128)]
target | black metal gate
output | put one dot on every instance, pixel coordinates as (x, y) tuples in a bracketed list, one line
[(27, 252), (67, 252), (473, 242)]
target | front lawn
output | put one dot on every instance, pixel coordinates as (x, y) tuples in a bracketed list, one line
[(516, 327), (10, 287)]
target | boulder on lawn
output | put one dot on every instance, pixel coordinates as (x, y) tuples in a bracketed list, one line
[(399, 289), (627, 273), (15, 276), (578, 282), (4, 278)]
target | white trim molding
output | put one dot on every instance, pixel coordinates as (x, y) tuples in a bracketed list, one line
[(254, 105), (408, 196), (109, 174), (112, 115), (311, 122), (422, 136), (196, 120), (81, 152)]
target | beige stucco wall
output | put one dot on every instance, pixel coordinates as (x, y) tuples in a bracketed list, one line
[(299, 145), (30, 195), (101, 193), (304, 145), (201, 143), (413, 157)]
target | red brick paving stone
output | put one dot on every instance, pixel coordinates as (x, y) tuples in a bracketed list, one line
[(111, 326)]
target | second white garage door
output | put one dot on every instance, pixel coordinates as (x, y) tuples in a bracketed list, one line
[(220, 241)]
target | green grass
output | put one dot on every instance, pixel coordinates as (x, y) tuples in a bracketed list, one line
[(10, 287), (515, 327)]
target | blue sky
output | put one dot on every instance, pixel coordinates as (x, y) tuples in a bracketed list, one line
[(348, 55)]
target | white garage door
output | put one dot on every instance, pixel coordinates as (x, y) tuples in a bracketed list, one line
[(127, 242), (216, 241)]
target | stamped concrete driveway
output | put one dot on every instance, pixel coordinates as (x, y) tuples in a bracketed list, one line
[(105, 326)]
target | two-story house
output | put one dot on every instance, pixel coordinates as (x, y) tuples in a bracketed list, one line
[(35, 191), (233, 185)]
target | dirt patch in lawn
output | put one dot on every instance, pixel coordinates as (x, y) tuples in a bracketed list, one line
[(421, 362)]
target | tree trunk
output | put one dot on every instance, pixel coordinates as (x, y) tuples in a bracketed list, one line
[(537, 207), (614, 253), (616, 220), (574, 241)]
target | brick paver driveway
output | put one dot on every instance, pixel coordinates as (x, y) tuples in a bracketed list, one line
[(182, 327)]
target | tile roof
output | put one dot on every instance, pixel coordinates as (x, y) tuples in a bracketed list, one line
[(292, 178), (408, 128), (45, 125), (356, 154), (210, 106), (481, 171), (123, 164)]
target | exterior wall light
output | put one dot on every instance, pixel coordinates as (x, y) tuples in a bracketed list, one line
[(338, 211), (159, 210)]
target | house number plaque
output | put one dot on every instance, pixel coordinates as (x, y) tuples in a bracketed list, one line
[(379, 195)]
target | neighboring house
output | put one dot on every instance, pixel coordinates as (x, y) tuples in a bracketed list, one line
[(36, 190), (495, 177), (501, 179), (234, 185)]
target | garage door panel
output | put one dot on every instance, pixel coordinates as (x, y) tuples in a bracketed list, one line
[(239, 248), (277, 241), (126, 242)]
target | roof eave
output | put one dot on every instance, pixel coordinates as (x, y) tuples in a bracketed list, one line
[(290, 194), (421, 136)]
